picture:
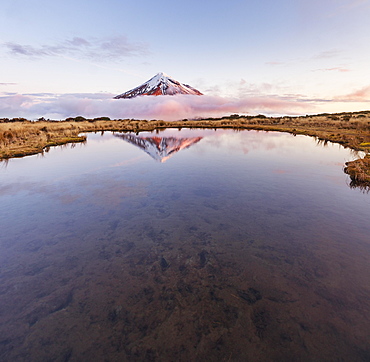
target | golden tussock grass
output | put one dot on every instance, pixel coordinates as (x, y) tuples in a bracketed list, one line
[(22, 137), (359, 172)]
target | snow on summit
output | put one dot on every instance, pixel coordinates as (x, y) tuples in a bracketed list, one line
[(160, 84)]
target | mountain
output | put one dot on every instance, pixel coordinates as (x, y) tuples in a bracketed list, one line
[(160, 84), (160, 148)]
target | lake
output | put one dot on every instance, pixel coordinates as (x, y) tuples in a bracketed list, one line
[(184, 245)]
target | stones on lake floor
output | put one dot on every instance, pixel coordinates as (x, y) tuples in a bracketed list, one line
[(261, 321), (203, 258), (115, 313), (164, 264), (251, 296)]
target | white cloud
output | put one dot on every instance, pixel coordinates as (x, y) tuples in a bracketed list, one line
[(98, 49)]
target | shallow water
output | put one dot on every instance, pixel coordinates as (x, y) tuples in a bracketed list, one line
[(184, 246)]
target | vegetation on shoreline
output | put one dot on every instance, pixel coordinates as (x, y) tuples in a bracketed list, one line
[(20, 137), (359, 172)]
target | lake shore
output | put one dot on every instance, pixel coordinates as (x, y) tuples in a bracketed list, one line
[(20, 137)]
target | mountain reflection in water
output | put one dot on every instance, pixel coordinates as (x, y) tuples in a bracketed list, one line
[(160, 148), (248, 246)]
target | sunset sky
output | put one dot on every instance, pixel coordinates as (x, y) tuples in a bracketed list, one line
[(69, 58)]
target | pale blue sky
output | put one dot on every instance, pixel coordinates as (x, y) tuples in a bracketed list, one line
[(315, 51)]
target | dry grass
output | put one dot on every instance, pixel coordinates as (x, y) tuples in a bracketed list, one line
[(21, 137), (359, 171), (24, 138)]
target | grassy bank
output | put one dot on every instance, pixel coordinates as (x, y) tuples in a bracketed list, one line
[(359, 172), (19, 137)]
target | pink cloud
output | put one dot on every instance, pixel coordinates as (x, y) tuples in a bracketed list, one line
[(335, 69), (359, 95), (13, 103), (274, 63), (160, 107)]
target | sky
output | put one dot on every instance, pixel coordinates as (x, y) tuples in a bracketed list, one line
[(62, 59)]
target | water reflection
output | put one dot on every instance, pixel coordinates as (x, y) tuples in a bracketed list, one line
[(363, 186), (160, 148), (249, 247)]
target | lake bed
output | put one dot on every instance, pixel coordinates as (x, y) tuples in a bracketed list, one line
[(184, 245)]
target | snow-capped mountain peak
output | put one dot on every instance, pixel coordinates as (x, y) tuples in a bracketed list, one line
[(160, 84)]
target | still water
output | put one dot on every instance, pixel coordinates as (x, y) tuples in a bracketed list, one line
[(184, 246)]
